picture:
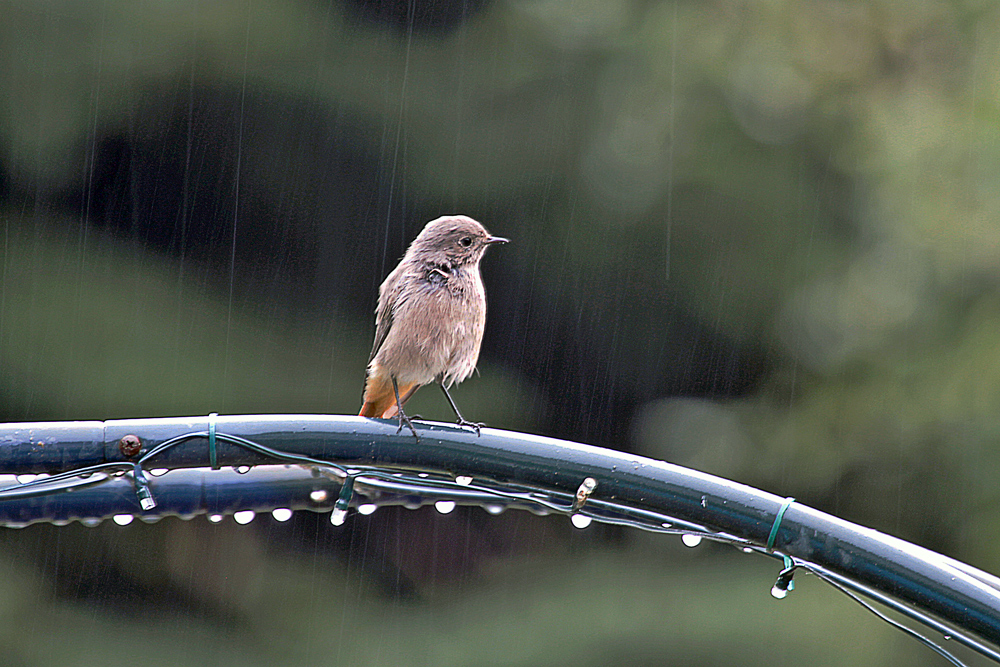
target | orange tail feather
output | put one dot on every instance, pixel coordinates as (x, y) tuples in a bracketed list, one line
[(380, 399)]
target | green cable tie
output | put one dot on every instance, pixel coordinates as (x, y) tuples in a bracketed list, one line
[(339, 514), (212, 456), (777, 522)]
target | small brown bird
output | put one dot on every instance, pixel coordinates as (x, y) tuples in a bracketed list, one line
[(430, 318)]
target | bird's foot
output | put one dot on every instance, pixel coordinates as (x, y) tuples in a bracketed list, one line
[(475, 425), (403, 419)]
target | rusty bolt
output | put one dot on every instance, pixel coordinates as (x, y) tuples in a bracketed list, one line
[(130, 445)]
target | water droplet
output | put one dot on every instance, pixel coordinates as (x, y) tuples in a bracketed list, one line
[(243, 517), (665, 525), (412, 504), (367, 508), (444, 506), (691, 540), (90, 523), (494, 509), (242, 469), (463, 480), (581, 520), (778, 593), (61, 522), (423, 474), (25, 478), (538, 510), (946, 637), (318, 496), (122, 519), (281, 514), (149, 519), (159, 472), (215, 518), (747, 550), (338, 517)]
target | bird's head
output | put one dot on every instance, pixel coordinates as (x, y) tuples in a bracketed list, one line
[(452, 241)]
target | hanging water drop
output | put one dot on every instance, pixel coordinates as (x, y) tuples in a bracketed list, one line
[(581, 520), (691, 540), (318, 496), (367, 508), (444, 506), (463, 480), (243, 517), (281, 514), (122, 519), (494, 509), (215, 518)]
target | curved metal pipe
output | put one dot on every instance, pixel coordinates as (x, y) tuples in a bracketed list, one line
[(957, 594)]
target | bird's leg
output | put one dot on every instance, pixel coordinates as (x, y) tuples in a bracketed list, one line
[(462, 421), (403, 419)]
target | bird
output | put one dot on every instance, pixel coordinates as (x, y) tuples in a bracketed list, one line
[(429, 320)]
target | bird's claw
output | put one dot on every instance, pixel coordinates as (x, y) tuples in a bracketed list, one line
[(403, 419), (475, 425)]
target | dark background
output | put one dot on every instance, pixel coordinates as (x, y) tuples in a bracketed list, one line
[(758, 239)]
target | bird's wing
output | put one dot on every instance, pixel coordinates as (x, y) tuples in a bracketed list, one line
[(383, 322), (389, 294)]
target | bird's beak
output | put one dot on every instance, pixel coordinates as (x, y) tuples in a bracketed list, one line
[(496, 239)]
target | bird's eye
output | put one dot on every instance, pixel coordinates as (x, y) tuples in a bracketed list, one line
[(465, 241)]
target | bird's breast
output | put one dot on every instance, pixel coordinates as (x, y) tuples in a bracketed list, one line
[(437, 326)]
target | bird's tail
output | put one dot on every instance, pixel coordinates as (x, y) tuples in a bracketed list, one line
[(380, 399)]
